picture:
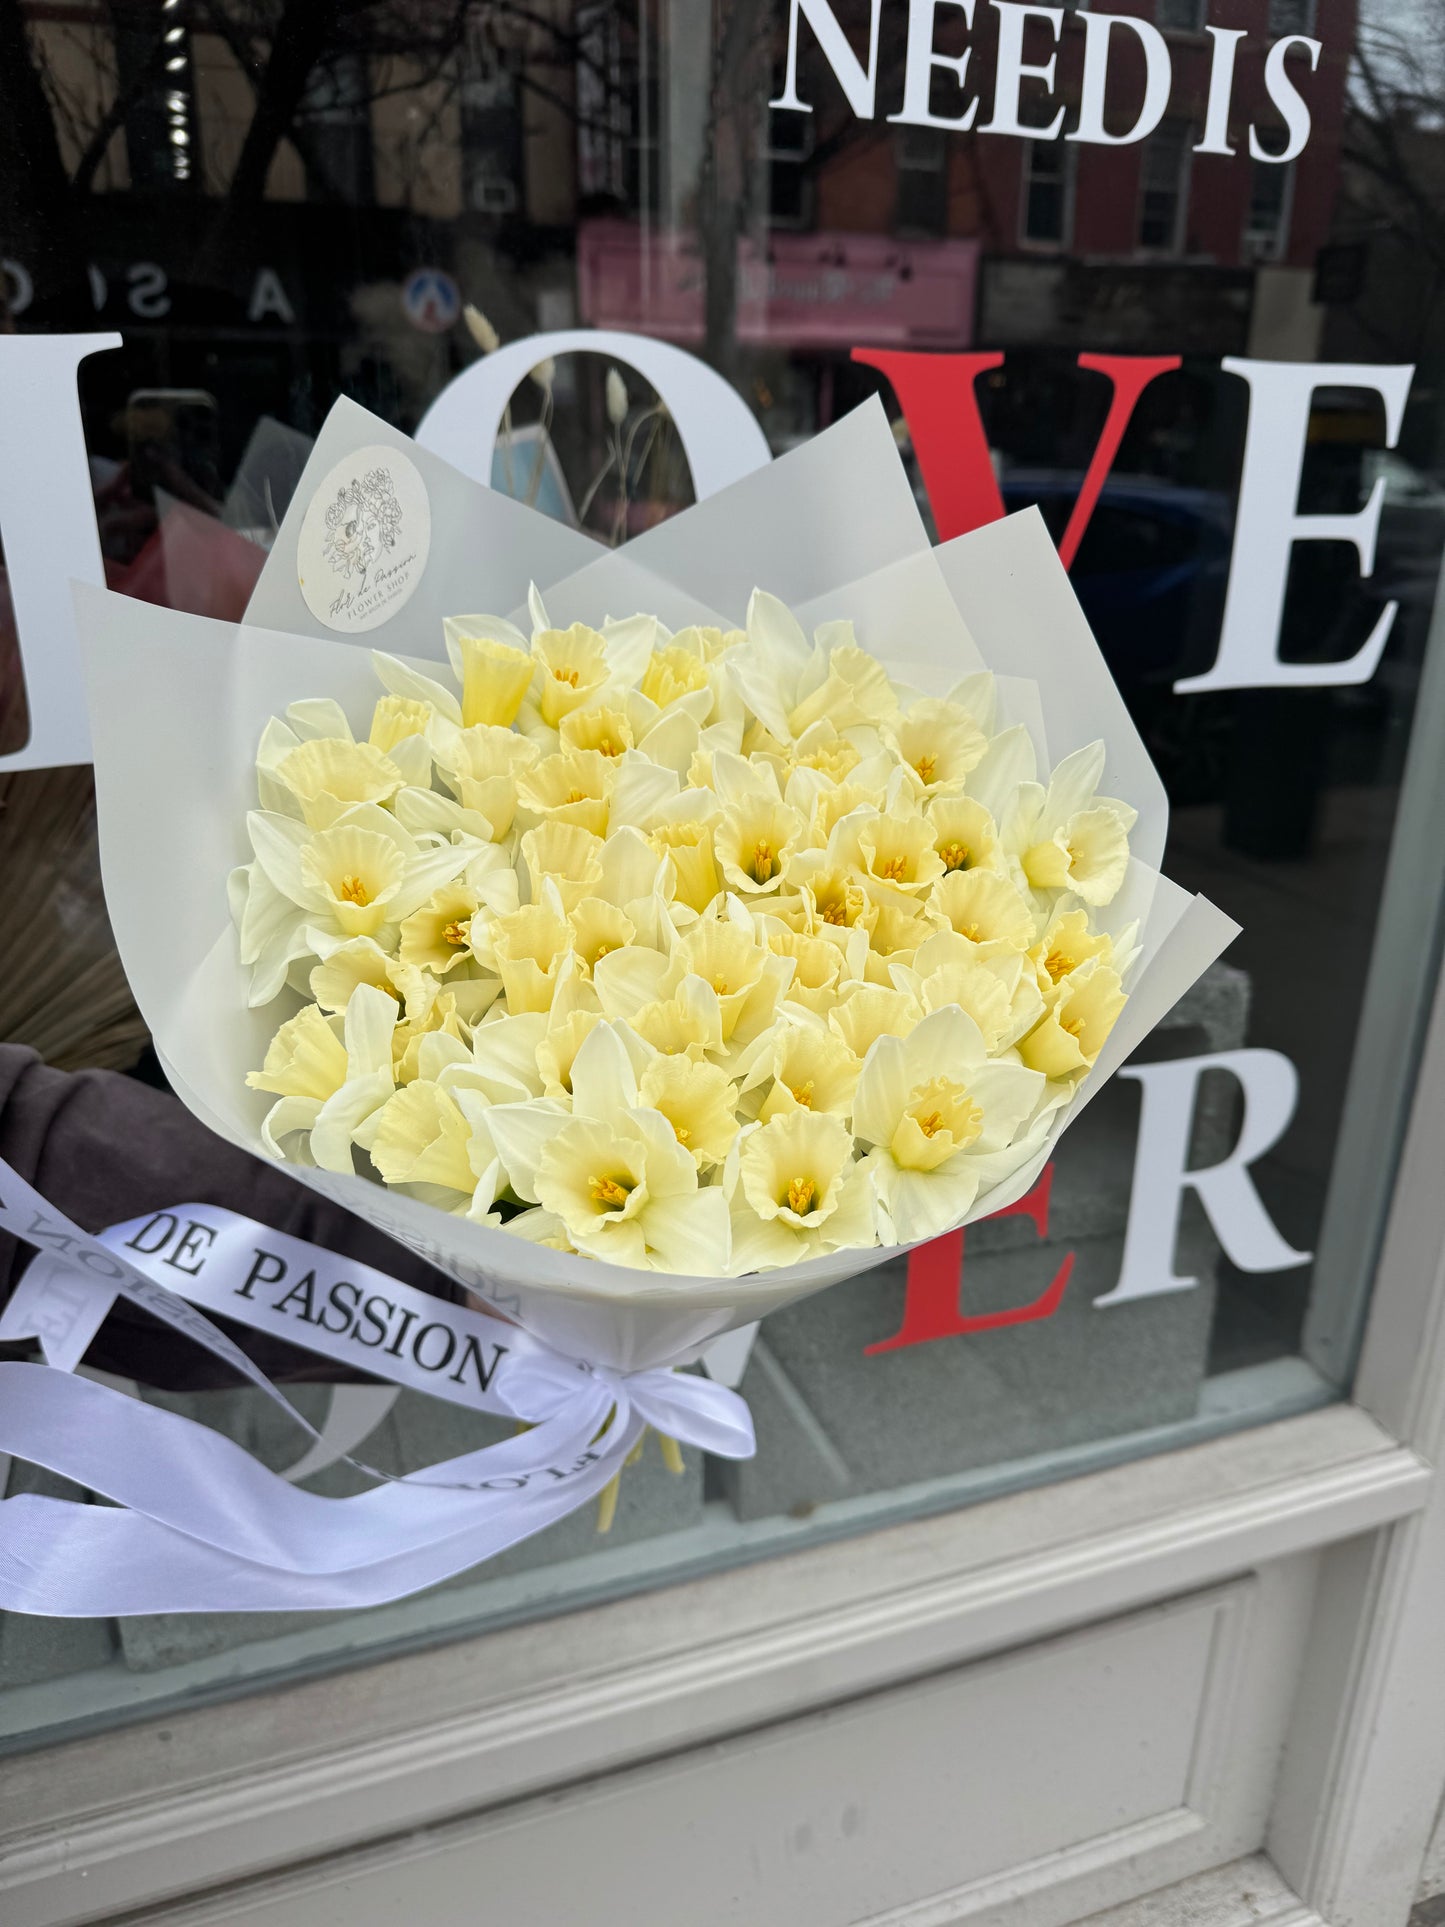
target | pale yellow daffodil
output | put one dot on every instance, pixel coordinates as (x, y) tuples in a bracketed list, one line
[(688, 846), (481, 766), (797, 1192), (944, 1120), (328, 1085), (608, 732), (753, 840), (397, 718), (496, 676), (866, 1012), (566, 857), (526, 950), (983, 907), (965, 835), (893, 854), (1067, 943), (572, 786), (307, 889), (421, 1142), (573, 669), (1076, 1023), (940, 745), (328, 775), (1068, 837), (438, 936), (699, 1101), (810, 1068)]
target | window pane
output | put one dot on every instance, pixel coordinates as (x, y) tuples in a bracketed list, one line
[(271, 223)]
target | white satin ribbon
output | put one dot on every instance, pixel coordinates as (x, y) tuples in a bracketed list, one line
[(203, 1527)]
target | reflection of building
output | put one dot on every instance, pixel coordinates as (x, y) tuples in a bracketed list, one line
[(1127, 219), (554, 159)]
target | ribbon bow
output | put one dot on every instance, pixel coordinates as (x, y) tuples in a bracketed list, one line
[(201, 1526)]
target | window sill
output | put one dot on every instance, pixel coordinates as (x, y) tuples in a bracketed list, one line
[(483, 1720)]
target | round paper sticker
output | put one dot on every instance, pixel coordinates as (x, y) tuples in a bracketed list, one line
[(365, 540)]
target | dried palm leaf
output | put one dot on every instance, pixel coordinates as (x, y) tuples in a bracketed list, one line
[(62, 990)]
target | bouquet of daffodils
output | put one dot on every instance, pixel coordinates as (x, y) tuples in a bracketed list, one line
[(643, 972), (696, 951)]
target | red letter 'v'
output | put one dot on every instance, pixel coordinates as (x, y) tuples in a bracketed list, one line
[(940, 405)]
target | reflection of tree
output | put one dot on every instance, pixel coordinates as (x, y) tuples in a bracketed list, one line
[(285, 50)]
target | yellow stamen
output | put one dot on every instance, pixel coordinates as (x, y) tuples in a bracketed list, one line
[(576, 796), (925, 766), (1058, 964), (720, 984), (893, 869), (353, 890), (459, 933), (607, 746), (571, 676), (801, 1192), (803, 1094), (955, 856), (970, 931), (932, 1124), (763, 863), (1073, 1025), (608, 1192), (682, 1134)]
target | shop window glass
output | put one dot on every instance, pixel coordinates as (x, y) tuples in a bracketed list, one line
[(922, 181), (619, 168), (1182, 16), (1271, 190), (1291, 16), (1164, 188), (790, 196), (1046, 192)]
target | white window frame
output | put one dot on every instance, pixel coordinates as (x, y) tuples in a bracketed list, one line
[(1201, 16), (1260, 248), (1306, 26), (1175, 247), (1069, 156)]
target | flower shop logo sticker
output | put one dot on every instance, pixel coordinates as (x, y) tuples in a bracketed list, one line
[(365, 540)]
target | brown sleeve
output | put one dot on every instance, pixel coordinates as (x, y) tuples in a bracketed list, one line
[(103, 1148)]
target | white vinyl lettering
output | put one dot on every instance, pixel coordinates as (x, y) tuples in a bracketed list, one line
[(1221, 89), (1011, 71), (720, 435), (1286, 96), (1162, 1175), (47, 520), (856, 80), (920, 62), (1269, 523), (1099, 30)]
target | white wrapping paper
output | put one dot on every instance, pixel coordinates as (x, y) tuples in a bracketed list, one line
[(178, 705)]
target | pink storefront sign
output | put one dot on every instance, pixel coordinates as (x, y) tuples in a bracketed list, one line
[(803, 291)]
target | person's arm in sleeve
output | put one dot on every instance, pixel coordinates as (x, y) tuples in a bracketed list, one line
[(104, 1148)]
